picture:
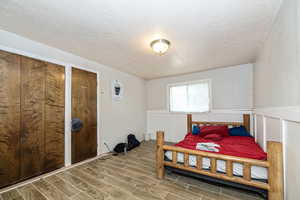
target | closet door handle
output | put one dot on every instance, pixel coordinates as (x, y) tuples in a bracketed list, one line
[(23, 137)]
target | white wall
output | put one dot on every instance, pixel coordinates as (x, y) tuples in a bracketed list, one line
[(282, 124), (293, 160), (277, 71), (231, 97), (259, 131), (277, 91), (231, 88), (116, 118)]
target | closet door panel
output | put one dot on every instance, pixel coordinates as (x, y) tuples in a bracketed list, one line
[(54, 117), (9, 118), (32, 115), (54, 138), (84, 107), (92, 112), (55, 85), (76, 109)]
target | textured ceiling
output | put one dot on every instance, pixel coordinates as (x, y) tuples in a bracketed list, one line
[(204, 34)]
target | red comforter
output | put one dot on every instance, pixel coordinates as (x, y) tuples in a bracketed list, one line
[(240, 146)]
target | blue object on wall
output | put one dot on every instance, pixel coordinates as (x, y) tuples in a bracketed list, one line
[(77, 124)]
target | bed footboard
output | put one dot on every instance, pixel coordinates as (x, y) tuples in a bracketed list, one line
[(274, 165)]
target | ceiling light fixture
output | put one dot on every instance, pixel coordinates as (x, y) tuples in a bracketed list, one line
[(160, 46)]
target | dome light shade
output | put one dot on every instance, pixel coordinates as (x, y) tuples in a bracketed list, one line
[(160, 46)]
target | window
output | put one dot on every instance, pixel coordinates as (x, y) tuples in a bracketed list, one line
[(190, 97)]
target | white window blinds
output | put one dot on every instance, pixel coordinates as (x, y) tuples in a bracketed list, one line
[(190, 97)]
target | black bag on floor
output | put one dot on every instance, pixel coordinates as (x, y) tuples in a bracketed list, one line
[(120, 148), (132, 142)]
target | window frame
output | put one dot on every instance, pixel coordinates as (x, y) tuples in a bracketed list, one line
[(209, 81)]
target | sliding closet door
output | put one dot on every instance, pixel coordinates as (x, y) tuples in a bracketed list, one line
[(33, 116), (9, 118), (84, 107), (54, 117), (43, 117)]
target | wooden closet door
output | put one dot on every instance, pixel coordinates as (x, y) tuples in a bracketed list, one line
[(32, 115), (33, 74), (84, 107), (54, 117), (43, 117), (9, 118)]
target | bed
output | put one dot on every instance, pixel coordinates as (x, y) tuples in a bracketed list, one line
[(240, 162)]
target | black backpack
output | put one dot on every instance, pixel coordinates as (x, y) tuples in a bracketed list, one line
[(119, 148), (132, 142)]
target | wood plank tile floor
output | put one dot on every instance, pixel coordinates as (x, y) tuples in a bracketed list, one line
[(123, 177)]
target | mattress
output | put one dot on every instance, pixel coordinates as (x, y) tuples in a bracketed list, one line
[(239, 146), (257, 172)]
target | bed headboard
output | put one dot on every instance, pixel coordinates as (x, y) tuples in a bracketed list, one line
[(246, 123)]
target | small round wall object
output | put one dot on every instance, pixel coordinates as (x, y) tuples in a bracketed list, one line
[(77, 124)]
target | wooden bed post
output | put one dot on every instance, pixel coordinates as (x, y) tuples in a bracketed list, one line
[(189, 123), (246, 121), (160, 168), (275, 158)]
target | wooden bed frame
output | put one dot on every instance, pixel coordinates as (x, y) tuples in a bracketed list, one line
[(274, 162)]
